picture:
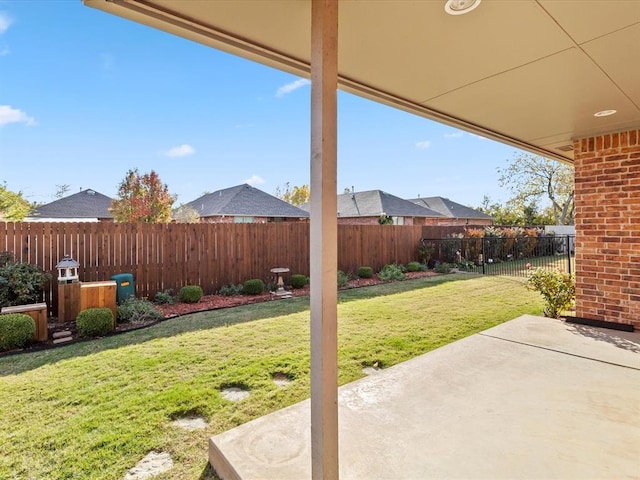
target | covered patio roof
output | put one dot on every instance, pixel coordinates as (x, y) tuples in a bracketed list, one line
[(536, 74), (530, 73)]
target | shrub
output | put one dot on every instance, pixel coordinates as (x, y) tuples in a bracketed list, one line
[(414, 267), (557, 288), (137, 310), (343, 279), (255, 286), (16, 329), (391, 272), (230, 290), (298, 280), (20, 283), (165, 297), (365, 272), (190, 293), (443, 267), (94, 322)]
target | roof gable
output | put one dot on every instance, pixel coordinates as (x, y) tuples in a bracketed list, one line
[(84, 204), (374, 203), (244, 200), (449, 208)]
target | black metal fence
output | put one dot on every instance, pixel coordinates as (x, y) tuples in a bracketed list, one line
[(512, 256)]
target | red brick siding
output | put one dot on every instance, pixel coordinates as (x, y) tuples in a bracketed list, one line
[(607, 200)]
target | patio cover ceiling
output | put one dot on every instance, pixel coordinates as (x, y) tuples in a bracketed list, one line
[(530, 73)]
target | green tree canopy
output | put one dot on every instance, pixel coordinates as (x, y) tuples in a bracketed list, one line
[(142, 198), (294, 195), (516, 214), (533, 179), (13, 206)]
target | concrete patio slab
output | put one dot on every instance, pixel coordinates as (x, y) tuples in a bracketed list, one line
[(534, 398)]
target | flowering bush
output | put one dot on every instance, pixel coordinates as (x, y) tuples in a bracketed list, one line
[(557, 288)]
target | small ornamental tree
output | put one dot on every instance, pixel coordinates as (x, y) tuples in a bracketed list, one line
[(142, 198)]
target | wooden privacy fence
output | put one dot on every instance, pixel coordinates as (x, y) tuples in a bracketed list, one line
[(169, 256)]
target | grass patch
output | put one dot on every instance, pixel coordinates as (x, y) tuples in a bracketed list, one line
[(94, 409), (518, 268)]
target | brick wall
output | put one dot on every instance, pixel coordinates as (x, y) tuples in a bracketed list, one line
[(607, 200)]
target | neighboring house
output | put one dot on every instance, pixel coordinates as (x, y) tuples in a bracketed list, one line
[(364, 208), (455, 213), (245, 204), (84, 206)]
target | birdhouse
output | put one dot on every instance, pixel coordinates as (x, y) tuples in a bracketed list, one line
[(67, 270)]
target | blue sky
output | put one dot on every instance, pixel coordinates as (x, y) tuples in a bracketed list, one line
[(85, 96)]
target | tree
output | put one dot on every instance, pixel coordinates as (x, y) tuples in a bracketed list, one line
[(294, 195), (532, 179), (142, 198), (514, 213), (13, 206), (61, 190), (186, 214)]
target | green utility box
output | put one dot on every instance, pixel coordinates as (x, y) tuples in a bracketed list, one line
[(125, 287)]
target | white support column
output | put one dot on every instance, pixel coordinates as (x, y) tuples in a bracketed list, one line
[(324, 240)]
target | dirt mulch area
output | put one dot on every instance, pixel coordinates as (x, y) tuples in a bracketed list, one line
[(207, 302), (213, 302)]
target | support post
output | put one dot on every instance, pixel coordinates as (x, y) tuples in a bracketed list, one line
[(324, 240)]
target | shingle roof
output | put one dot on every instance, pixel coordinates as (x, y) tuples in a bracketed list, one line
[(85, 204), (449, 208), (374, 203), (244, 200)]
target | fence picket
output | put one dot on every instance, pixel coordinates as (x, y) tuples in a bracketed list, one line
[(209, 254)]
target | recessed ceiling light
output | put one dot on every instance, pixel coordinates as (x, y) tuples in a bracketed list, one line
[(460, 7), (604, 113)]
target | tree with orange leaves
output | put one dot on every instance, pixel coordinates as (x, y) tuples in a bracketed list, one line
[(142, 198)]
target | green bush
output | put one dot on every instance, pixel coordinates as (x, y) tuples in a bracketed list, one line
[(298, 280), (365, 272), (343, 279), (166, 297), (94, 322), (16, 329), (443, 267), (230, 290), (190, 293), (20, 283), (558, 289), (414, 267), (255, 286), (391, 272), (137, 310)]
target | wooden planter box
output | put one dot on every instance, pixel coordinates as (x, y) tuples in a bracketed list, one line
[(37, 311), (99, 295)]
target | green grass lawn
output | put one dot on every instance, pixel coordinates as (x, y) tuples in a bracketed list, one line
[(94, 409), (518, 268)]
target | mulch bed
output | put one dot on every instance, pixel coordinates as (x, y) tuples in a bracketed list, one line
[(206, 303)]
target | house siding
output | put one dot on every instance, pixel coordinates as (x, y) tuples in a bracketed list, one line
[(607, 203)]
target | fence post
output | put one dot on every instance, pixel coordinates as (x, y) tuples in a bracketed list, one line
[(569, 254), (483, 256)]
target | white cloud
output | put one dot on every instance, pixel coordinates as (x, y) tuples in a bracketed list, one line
[(457, 134), (107, 61), (5, 22), (180, 151), (424, 144), (13, 115), (290, 87), (254, 180)]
